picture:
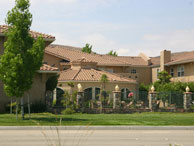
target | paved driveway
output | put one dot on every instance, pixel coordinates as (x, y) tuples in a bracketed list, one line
[(96, 137)]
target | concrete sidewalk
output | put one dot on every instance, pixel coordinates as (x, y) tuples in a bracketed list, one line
[(97, 127)]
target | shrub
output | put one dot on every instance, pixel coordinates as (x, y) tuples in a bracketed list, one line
[(69, 101), (13, 105), (68, 111)]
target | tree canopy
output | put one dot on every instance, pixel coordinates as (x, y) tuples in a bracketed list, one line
[(164, 77), (52, 82), (23, 55), (104, 79), (113, 53), (87, 48)]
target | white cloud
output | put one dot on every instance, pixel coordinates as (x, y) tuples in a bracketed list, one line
[(100, 43), (179, 40), (63, 39), (123, 52)]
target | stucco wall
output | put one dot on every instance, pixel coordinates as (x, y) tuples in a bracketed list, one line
[(37, 92), (142, 75), (188, 73), (154, 73), (52, 60)]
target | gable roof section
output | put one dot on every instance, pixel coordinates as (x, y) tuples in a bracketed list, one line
[(34, 34), (66, 52), (182, 57), (48, 69), (90, 75), (176, 58)]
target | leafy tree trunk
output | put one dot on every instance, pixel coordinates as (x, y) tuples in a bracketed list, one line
[(22, 108), (29, 105), (11, 106), (16, 108)]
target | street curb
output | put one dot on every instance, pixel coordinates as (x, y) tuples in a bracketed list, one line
[(97, 127)]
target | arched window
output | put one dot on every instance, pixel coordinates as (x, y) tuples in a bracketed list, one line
[(60, 94), (92, 93), (97, 93), (88, 94), (124, 93)]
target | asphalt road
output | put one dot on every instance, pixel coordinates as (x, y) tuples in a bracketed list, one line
[(96, 137)]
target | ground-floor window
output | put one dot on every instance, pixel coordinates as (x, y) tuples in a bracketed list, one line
[(92, 93), (88, 94), (124, 93)]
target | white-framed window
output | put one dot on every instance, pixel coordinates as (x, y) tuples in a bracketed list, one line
[(172, 72), (133, 71), (158, 70), (180, 71)]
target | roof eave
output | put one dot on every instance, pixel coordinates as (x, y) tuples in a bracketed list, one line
[(46, 71), (180, 62), (61, 57), (62, 81)]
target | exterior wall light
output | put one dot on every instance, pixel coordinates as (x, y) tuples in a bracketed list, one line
[(79, 86), (117, 88), (187, 89), (152, 89)]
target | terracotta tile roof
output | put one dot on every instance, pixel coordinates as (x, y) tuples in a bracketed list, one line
[(46, 67), (155, 61), (176, 58), (181, 57), (133, 60), (66, 52), (34, 34), (90, 75), (83, 59)]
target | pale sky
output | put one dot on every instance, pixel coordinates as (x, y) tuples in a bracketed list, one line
[(126, 26)]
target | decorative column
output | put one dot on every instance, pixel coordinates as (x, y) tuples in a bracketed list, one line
[(80, 96), (187, 99), (116, 98), (152, 94)]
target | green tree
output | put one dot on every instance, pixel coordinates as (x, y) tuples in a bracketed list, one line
[(104, 80), (23, 55), (87, 48), (52, 82), (113, 53), (164, 77)]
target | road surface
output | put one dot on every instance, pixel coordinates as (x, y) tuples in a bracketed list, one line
[(96, 137)]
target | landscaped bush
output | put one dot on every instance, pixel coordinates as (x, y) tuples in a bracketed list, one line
[(69, 101), (68, 111), (13, 105)]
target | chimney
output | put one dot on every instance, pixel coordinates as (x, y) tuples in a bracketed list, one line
[(165, 57)]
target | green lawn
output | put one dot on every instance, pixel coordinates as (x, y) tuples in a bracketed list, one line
[(101, 119)]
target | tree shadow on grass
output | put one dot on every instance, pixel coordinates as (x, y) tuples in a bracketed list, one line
[(56, 120)]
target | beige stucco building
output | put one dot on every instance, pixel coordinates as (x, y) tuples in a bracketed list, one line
[(140, 68), (88, 75), (179, 65), (37, 92)]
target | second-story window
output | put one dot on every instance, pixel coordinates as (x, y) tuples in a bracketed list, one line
[(172, 72), (180, 71), (133, 71), (158, 70)]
